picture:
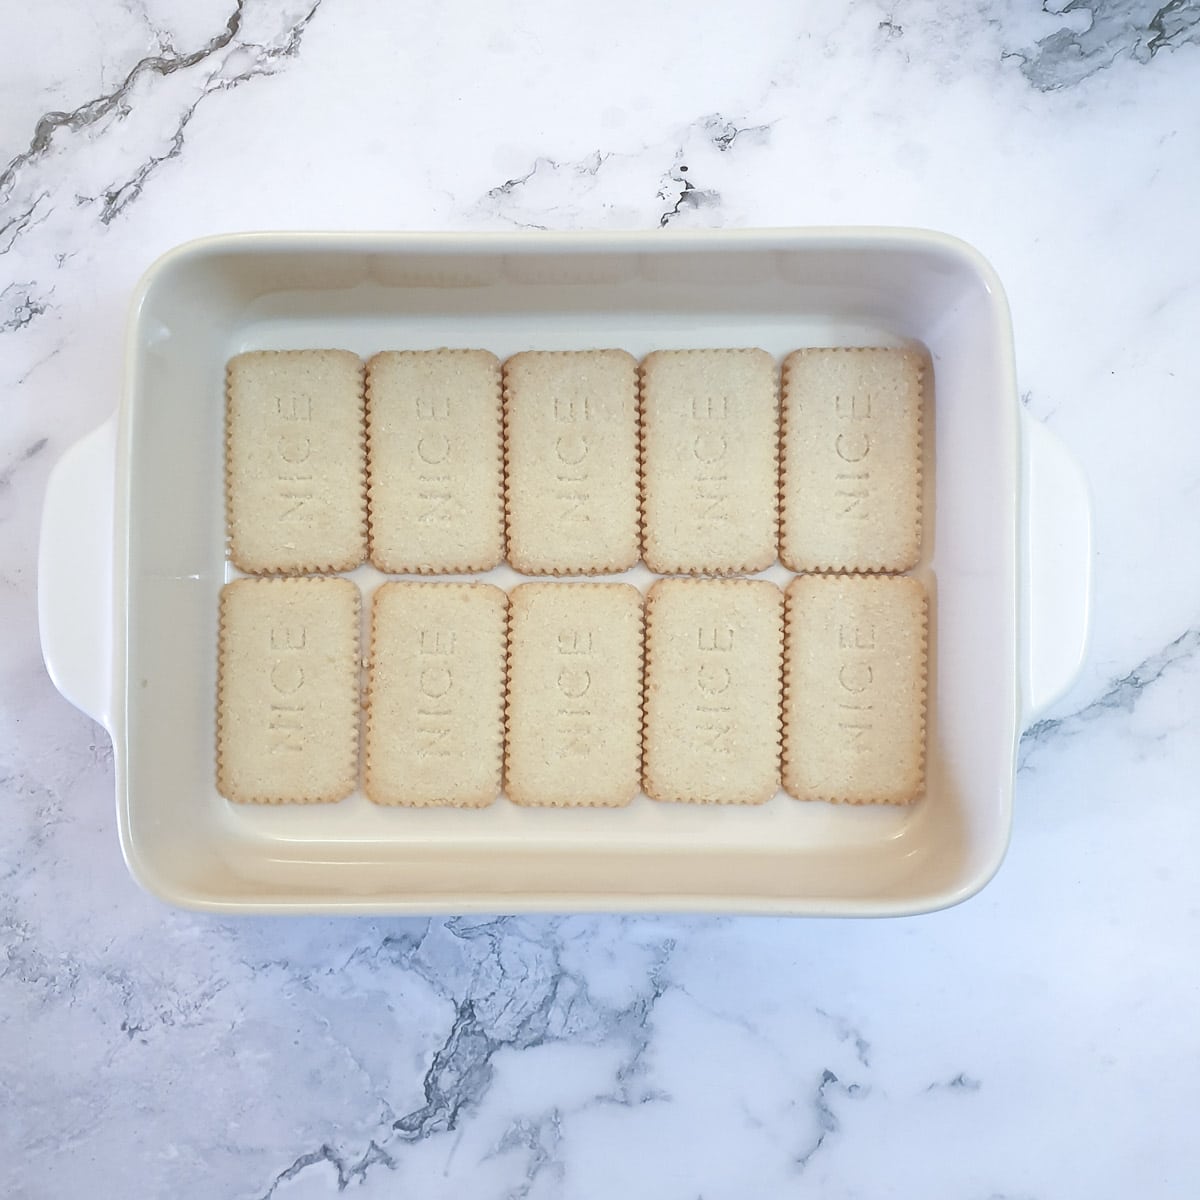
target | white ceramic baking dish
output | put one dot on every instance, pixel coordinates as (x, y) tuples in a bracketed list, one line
[(133, 557)]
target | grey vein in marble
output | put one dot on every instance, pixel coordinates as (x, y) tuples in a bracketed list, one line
[(555, 180), (31, 451), (19, 306), (264, 62), (52, 177), (569, 193), (1122, 695), (541, 1140), (849, 1033), (88, 114), (510, 991), (1118, 29), (961, 1082), (20, 222), (723, 133), (827, 1120), (347, 1172), (678, 187), (686, 193)]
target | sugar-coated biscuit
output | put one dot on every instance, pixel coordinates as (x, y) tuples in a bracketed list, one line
[(710, 473), (714, 652), (288, 691), (852, 459), (435, 461), (435, 694), (295, 461), (854, 699), (571, 453), (574, 713)]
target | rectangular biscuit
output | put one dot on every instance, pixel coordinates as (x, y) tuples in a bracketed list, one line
[(852, 459), (714, 652), (571, 453), (854, 689), (287, 691), (710, 472), (435, 694), (295, 461), (435, 461), (574, 717)]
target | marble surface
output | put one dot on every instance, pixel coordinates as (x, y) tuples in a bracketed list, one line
[(1040, 1041)]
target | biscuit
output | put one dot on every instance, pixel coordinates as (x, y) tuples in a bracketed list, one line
[(574, 715), (435, 461), (435, 694), (854, 689), (710, 472), (714, 651), (852, 459), (295, 461), (287, 691), (571, 453)]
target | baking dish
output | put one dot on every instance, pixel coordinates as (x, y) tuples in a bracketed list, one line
[(132, 558)]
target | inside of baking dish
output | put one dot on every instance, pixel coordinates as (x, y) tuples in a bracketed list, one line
[(200, 310)]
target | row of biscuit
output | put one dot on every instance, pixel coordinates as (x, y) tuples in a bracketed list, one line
[(574, 462), (709, 691)]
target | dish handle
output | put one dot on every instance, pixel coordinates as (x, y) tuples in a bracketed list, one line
[(1056, 569), (75, 573)]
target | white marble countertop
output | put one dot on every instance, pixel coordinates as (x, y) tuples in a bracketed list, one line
[(1039, 1041)]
